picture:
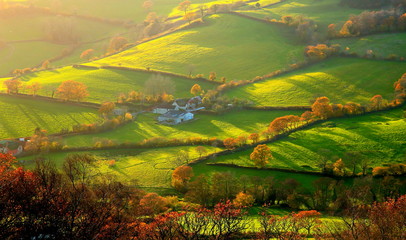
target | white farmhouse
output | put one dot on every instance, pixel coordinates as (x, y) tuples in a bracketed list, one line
[(175, 117)]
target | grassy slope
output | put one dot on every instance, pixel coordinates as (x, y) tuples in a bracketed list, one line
[(20, 117), (382, 45), (149, 168), (378, 137), (230, 124), (223, 39), (323, 12), (106, 84), (31, 27), (340, 79), (16, 55)]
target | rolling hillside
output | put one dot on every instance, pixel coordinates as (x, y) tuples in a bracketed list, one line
[(340, 79), (231, 124), (20, 117), (221, 39), (378, 137), (107, 84)]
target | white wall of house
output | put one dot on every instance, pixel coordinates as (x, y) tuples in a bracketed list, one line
[(160, 110)]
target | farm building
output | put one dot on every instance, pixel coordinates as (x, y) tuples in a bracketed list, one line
[(187, 104), (13, 147), (163, 108), (175, 117)]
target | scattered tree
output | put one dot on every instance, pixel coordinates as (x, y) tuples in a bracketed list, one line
[(260, 155), (71, 90)]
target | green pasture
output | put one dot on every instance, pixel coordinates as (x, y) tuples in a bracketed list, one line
[(106, 84), (379, 137), (322, 12), (232, 124), (223, 44), (27, 45), (20, 117), (27, 54), (145, 167), (340, 79), (382, 45), (306, 180)]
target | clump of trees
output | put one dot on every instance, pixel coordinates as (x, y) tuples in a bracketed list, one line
[(321, 51), (370, 22), (72, 91)]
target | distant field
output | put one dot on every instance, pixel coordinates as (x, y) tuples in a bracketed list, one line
[(146, 167), (106, 84), (223, 45), (20, 117), (379, 137), (306, 180), (230, 124), (340, 79), (26, 53), (18, 55), (323, 12), (382, 45)]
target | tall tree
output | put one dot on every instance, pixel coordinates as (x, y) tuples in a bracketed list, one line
[(261, 155), (72, 90), (196, 89)]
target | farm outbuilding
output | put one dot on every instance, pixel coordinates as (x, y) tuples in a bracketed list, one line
[(175, 117)]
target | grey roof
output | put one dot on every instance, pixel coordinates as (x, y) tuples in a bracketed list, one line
[(174, 114), (181, 101)]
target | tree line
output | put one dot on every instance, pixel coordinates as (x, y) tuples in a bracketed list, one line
[(77, 202)]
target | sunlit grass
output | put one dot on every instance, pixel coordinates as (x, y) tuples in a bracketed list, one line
[(20, 117), (146, 167), (106, 84), (224, 44), (340, 79), (378, 137), (231, 124), (383, 45), (323, 12)]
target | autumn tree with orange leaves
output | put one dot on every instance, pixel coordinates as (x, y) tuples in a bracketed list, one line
[(261, 155), (196, 89), (13, 85), (322, 108), (71, 90), (181, 177)]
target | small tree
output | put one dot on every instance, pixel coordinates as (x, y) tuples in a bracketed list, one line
[(243, 200), (201, 150), (107, 108), (72, 90), (13, 85), (260, 155), (34, 87), (87, 54), (212, 76), (181, 177), (184, 6), (196, 89), (254, 137), (189, 16)]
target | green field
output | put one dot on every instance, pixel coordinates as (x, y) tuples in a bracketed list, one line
[(340, 79), (14, 56), (222, 39), (323, 12), (27, 45), (379, 137), (231, 124), (106, 84), (147, 167), (383, 45), (20, 117)]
